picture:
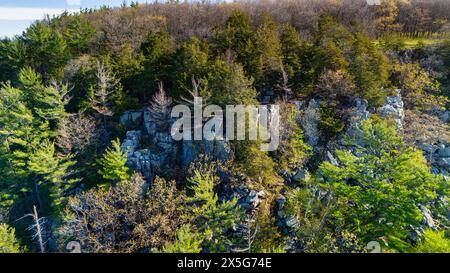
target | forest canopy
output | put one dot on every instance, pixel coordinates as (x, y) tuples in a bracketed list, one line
[(86, 154)]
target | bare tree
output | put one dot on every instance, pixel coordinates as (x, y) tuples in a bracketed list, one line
[(107, 85), (37, 228), (160, 109), (284, 87), (77, 132), (248, 235)]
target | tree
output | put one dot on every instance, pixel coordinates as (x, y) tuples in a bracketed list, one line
[(160, 109), (378, 192), (77, 133), (158, 51), (51, 170), (47, 102), (292, 49), (45, 50), (187, 241), (433, 242), (235, 36), (229, 85), (103, 92), (12, 58), (113, 164), (417, 87), (191, 61), (336, 87), (293, 151), (126, 218), (370, 70), (212, 217), (8, 241), (386, 17), (78, 34), (265, 57)]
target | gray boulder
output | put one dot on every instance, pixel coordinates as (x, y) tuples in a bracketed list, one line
[(310, 123), (131, 119), (393, 108), (132, 141)]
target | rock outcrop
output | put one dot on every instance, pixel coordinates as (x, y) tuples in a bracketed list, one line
[(393, 108), (161, 150)]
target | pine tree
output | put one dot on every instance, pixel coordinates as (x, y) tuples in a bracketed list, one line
[(78, 34), (52, 171), (158, 50), (102, 93), (214, 218), (188, 241), (384, 185), (291, 47), (47, 102), (235, 36), (266, 55), (228, 84), (46, 50), (8, 241), (191, 61), (113, 164)]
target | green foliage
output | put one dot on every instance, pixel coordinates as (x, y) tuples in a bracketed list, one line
[(191, 61), (187, 241), (235, 36), (417, 87), (213, 218), (293, 151), (51, 170), (8, 241), (78, 34), (158, 51), (45, 50), (113, 164), (378, 192), (257, 164), (339, 49), (12, 57), (265, 55), (292, 50), (29, 157), (331, 124), (433, 242), (47, 102), (229, 85)]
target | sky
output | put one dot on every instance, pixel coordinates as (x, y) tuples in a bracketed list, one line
[(17, 15)]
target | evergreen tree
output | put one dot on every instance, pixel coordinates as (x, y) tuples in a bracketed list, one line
[(291, 48), (384, 185), (113, 164), (229, 85), (191, 61), (45, 50), (47, 102), (187, 241), (51, 171), (266, 55), (158, 51), (235, 36), (78, 34), (214, 218), (8, 241), (433, 242)]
